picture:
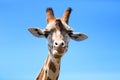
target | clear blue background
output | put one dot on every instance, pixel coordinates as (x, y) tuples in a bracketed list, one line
[(97, 58)]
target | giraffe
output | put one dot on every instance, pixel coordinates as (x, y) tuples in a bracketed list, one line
[(58, 33)]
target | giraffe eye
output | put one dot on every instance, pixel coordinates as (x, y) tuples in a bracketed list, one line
[(70, 34), (46, 34)]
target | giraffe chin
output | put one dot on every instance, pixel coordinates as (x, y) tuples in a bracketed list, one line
[(57, 56)]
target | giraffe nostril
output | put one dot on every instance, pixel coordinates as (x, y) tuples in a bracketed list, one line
[(62, 44), (56, 43), (59, 44)]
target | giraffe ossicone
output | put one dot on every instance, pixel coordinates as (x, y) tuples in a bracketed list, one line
[(58, 34)]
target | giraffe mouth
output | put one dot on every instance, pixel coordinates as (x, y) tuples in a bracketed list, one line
[(60, 50)]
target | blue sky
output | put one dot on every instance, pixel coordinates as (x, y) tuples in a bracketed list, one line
[(97, 58)]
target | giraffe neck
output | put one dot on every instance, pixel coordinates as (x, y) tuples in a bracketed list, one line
[(50, 70)]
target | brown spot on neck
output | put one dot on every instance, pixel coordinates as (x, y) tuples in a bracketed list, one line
[(52, 66), (50, 69)]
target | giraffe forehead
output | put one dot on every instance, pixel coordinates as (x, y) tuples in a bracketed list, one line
[(58, 31), (60, 35), (57, 25)]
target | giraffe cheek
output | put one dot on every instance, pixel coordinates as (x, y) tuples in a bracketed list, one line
[(65, 49)]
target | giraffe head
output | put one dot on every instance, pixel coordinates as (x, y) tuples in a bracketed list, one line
[(58, 33)]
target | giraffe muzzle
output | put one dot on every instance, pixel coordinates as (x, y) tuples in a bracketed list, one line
[(59, 46)]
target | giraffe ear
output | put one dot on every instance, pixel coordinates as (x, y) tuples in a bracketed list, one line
[(78, 36), (36, 32)]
